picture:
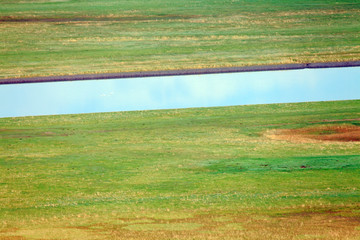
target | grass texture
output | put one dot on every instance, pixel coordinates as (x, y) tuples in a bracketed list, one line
[(202, 173), (66, 37)]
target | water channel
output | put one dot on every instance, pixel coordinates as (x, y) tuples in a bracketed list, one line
[(150, 93)]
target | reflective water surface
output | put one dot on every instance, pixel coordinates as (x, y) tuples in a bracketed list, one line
[(179, 92)]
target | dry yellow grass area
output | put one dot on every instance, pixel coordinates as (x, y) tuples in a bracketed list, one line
[(309, 224)]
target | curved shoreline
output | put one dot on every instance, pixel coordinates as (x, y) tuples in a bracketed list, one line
[(257, 68)]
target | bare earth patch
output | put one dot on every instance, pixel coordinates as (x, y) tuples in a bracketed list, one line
[(333, 132)]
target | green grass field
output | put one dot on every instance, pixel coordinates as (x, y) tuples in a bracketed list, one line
[(279, 171), (65, 37)]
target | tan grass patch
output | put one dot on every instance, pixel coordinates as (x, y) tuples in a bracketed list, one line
[(317, 12), (295, 223), (298, 225), (50, 233), (164, 227)]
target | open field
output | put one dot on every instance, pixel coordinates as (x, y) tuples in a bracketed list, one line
[(279, 171), (66, 37)]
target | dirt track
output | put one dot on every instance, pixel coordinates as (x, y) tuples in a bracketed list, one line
[(179, 72)]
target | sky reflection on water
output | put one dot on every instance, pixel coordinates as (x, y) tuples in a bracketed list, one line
[(180, 92)]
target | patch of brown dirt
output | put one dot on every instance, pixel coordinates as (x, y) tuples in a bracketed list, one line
[(333, 132)]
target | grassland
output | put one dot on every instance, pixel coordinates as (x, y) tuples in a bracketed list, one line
[(208, 173), (65, 37)]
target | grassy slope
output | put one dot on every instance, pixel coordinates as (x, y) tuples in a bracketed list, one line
[(119, 36), (204, 173)]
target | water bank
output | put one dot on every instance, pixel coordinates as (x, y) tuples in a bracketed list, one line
[(119, 75)]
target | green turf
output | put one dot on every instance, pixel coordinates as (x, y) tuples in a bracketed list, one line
[(61, 37), (206, 173)]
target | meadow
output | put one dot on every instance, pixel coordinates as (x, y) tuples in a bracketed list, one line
[(66, 37), (278, 171)]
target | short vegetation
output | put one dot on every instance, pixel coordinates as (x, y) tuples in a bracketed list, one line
[(66, 37), (279, 171)]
